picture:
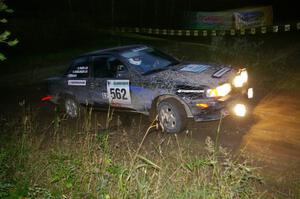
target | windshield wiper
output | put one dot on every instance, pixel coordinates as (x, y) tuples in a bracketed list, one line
[(173, 64)]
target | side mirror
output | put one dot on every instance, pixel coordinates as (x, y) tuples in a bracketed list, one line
[(120, 68)]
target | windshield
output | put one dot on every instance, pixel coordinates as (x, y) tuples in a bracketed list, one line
[(148, 60)]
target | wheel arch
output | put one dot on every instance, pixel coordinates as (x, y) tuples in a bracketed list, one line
[(160, 98)]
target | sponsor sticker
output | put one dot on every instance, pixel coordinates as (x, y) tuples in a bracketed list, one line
[(221, 72), (81, 70), (77, 82), (195, 68)]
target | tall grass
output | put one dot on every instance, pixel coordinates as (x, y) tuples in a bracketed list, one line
[(78, 159)]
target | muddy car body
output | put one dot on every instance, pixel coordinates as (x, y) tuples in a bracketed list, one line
[(143, 79)]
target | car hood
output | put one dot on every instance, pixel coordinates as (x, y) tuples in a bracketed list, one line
[(196, 75)]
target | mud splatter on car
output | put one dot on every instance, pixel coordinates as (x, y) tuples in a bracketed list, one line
[(140, 78)]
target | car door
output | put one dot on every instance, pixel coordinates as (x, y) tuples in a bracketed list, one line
[(107, 86), (77, 80)]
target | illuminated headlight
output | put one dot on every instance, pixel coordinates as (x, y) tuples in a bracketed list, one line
[(241, 79), (220, 91), (244, 75), (240, 110)]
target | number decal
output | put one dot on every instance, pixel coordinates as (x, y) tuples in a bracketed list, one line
[(112, 93), (118, 92), (123, 91)]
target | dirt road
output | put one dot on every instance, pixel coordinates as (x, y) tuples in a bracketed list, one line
[(275, 137)]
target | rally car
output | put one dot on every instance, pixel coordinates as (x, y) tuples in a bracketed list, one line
[(143, 79)]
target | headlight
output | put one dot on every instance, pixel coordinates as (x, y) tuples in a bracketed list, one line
[(244, 75), (240, 79), (220, 91)]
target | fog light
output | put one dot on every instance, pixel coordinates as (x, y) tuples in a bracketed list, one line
[(240, 110)]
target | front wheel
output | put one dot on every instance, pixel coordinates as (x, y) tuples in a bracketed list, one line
[(171, 116)]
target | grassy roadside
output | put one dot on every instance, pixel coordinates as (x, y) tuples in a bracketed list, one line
[(60, 158), (57, 161)]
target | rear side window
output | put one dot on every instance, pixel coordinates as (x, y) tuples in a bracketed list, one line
[(100, 67), (79, 68)]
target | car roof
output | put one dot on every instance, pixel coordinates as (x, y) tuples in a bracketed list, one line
[(114, 50)]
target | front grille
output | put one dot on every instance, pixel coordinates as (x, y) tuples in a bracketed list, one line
[(191, 96), (190, 92)]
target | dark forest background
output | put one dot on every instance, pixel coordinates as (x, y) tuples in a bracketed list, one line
[(137, 12), (49, 25)]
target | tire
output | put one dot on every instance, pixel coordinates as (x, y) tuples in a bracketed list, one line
[(71, 107), (171, 116)]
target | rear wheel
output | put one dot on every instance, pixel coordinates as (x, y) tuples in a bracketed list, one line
[(71, 107), (171, 116)]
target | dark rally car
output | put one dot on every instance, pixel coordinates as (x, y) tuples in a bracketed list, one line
[(143, 79)]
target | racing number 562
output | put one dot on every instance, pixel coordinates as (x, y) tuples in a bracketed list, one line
[(117, 93)]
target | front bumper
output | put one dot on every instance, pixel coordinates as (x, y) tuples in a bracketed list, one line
[(217, 107)]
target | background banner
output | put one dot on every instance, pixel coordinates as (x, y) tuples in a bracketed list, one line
[(253, 17), (208, 20), (230, 19)]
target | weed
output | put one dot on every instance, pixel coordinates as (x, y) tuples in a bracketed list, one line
[(80, 162), (39, 192)]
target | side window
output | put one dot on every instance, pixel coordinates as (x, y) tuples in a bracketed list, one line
[(107, 66), (79, 68), (116, 65)]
